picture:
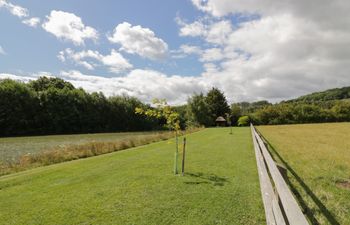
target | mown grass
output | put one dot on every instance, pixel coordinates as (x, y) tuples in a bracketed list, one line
[(137, 186), (318, 159)]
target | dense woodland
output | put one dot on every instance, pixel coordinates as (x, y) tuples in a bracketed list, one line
[(54, 106), (331, 94)]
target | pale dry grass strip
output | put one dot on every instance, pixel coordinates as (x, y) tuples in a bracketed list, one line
[(73, 152)]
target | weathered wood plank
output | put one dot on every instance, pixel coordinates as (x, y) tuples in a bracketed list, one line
[(272, 218), (290, 205), (277, 211)]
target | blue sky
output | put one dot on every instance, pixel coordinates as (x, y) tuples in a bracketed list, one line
[(36, 49), (252, 50)]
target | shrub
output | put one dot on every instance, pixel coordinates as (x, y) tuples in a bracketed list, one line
[(243, 121)]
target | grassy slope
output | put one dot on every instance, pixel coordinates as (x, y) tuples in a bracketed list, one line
[(137, 186), (15, 146), (320, 156)]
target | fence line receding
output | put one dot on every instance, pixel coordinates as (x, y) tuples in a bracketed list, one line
[(280, 205)]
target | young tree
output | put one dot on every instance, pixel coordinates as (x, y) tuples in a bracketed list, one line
[(163, 110)]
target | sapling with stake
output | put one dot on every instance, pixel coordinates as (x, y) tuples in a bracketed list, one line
[(160, 110)]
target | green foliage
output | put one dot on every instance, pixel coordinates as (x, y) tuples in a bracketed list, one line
[(243, 121), (54, 106), (162, 110), (341, 110), (18, 108), (182, 111), (217, 104), (203, 110), (331, 94), (298, 112), (198, 112), (236, 112), (44, 83), (247, 107)]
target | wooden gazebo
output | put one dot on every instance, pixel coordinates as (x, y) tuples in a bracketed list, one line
[(220, 121)]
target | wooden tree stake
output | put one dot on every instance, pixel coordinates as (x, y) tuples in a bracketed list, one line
[(176, 153), (183, 157)]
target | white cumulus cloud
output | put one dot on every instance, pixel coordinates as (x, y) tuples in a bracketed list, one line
[(16, 77), (279, 50), (190, 49), (214, 32), (15, 10), (69, 27), (139, 40), (20, 12), (205, 55), (115, 62), (143, 84), (212, 54), (32, 22), (282, 49), (186, 50), (195, 29)]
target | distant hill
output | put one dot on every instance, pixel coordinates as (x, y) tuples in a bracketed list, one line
[(331, 94)]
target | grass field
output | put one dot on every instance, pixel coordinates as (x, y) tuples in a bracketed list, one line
[(137, 186), (13, 147), (318, 159)]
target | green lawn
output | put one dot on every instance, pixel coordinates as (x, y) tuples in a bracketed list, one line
[(137, 186), (318, 159), (11, 148)]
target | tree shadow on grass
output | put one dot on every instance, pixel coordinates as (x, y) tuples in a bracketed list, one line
[(328, 215), (202, 178)]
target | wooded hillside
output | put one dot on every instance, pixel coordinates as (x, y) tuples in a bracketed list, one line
[(331, 94)]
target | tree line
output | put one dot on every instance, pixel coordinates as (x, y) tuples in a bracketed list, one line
[(331, 94), (328, 106), (54, 106), (301, 112)]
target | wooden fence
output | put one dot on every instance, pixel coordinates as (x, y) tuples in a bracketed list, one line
[(279, 203)]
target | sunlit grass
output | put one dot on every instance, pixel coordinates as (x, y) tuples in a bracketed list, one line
[(319, 155), (138, 186)]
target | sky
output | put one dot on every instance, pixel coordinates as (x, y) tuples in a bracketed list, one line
[(250, 49)]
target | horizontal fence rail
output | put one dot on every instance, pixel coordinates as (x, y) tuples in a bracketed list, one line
[(280, 205)]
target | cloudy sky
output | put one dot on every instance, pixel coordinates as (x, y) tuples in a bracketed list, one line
[(250, 49)]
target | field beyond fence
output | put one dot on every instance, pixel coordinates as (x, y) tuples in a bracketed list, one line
[(317, 157)]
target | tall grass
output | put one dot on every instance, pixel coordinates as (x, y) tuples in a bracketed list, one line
[(72, 152)]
